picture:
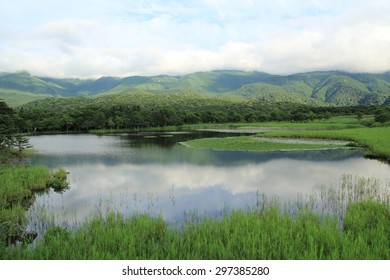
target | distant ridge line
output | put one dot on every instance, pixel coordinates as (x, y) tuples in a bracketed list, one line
[(313, 88)]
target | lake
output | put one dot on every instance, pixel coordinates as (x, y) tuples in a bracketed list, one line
[(154, 173)]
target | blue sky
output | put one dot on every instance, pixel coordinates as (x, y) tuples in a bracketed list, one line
[(93, 38)]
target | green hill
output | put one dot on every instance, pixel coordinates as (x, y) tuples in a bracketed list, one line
[(274, 93), (20, 88), (220, 81), (15, 98), (313, 88), (23, 81), (341, 90)]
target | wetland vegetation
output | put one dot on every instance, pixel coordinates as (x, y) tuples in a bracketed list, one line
[(250, 143), (373, 139), (19, 186), (348, 220), (19, 183)]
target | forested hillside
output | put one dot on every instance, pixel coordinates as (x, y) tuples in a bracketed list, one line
[(315, 88), (144, 110)]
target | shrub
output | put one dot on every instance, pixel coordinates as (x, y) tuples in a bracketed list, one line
[(59, 180)]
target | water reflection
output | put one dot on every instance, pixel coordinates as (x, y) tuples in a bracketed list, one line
[(65, 150), (131, 173)]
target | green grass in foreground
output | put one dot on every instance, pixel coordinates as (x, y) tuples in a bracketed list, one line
[(250, 143), (266, 234), (376, 140), (18, 184), (357, 228)]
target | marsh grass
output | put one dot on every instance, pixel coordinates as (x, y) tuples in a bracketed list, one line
[(59, 181), (340, 122), (352, 190), (375, 140), (18, 183), (308, 228), (249, 143), (18, 186)]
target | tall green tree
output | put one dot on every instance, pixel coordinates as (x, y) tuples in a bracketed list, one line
[(6, 127), (11, 145)]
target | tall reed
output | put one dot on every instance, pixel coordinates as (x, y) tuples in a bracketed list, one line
[(18, 185), (353, 222)]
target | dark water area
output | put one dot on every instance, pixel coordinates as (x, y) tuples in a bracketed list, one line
[(154, 173)]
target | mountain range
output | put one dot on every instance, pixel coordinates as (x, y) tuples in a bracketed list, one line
[(313, 88)]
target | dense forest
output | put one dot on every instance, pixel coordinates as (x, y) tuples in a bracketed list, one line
[(47, 104), (135, 111), (11, 143)]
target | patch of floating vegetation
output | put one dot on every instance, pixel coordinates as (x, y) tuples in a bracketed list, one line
[(308, 141), (248, 143)]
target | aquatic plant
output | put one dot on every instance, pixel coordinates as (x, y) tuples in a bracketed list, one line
[(59, 181)]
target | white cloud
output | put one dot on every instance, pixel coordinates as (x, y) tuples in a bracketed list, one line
[(155, 37)]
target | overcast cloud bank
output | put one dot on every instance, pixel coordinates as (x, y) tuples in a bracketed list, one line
[(122, 38)]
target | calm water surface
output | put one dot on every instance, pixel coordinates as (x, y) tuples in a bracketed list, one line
[(152, 172)]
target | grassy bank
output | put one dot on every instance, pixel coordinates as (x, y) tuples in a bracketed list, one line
[(341, 122), (375, 140), (348, 221), (18, 186), (266, 234)]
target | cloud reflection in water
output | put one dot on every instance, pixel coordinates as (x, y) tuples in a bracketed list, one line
[(177, 188)]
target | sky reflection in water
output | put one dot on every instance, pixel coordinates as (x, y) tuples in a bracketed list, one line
[(136, 173)]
